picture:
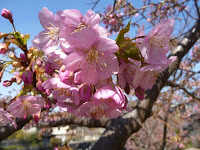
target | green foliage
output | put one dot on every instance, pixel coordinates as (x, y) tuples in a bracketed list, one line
[(23, 136), (12, 147), (20, 39), (120, 37), (55, 141), (17, 135)]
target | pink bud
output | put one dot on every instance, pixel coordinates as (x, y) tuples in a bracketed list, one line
[(139, 92), (65, 75), (39, 62), (23, 56), (49, 69), (36, 118), (3, 48), (7, 83), (27, 77), (25, 116), (85, 92), (48, 92), (39, 86), (47, 104), (77, 78), (6, 13)]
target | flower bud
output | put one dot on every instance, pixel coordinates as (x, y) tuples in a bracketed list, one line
[(77, 78), (85, 92), (18, 80), (13, 57), (66, 76), (49, 69), (16, 64), (48, 92), (2, 35), (139, 92), (39, 86), (23, 57), (30, 56), (36, 118), (6, 13), (3, 48), (27, 77), (47, 104), (39, 62), (7, 83)]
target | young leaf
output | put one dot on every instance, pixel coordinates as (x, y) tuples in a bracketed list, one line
[(120, 37)]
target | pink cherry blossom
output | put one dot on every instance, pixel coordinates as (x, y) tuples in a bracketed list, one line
[(74, 22), (62, 92), (25, 105), (48, 40), (93, 55), (108, 101), (6, 118), (55, 60), (112, 96), (156, 44), (146, 76), (96, 111)]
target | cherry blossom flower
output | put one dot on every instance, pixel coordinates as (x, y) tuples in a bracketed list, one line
[(156, 44), (93, 55), (48, 40), (6, 118), (74, 22), (62, 92), (25, 105), (108, 101)]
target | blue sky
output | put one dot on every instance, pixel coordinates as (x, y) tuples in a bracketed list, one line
[(25, 15)]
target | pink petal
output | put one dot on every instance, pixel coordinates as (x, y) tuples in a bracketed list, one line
[(85, 38), (72, 17), (74, 61), (41, 40), (91, 19), (51, 46), (46, 17), (107, 45), (114, 113)]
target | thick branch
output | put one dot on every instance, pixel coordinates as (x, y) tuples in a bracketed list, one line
[(8, 130), (121, 128), (87, 122)]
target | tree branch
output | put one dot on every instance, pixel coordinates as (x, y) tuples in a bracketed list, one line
[(197, 8), (87, 122), (170, 83), (121, 128), (164, 131), (8, 130)]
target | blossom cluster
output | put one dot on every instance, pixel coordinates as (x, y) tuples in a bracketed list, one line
[(74, 62)]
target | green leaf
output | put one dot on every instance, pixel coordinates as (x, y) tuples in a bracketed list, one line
[(120, 37), (25, 38), (133, 53)]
